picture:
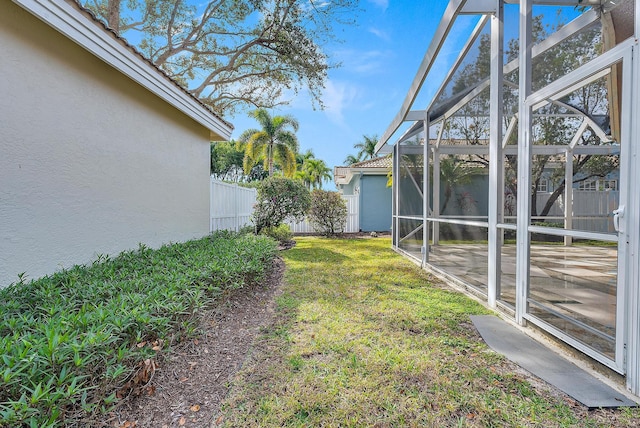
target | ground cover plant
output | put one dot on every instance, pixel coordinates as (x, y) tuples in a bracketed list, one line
[(75, 343), (365, 338)]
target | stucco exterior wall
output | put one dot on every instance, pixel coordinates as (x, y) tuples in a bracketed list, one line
[(349, 188), (375, 203), (91, 163)]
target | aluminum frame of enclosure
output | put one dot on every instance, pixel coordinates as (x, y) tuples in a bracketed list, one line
[(626, 357)]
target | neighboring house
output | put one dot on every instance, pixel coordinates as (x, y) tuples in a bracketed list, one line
[(100, 150), (368, 179)]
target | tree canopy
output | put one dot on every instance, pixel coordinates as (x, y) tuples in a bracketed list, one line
[(234, 54), (273, 143), (227, 159), (367, 147), (311, 170)]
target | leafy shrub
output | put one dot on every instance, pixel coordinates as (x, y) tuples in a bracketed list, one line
[(328, 213), (280, 233), (280, 199), (248, 229), (71, 343)]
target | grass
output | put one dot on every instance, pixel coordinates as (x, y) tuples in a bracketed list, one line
[(73, 343), (364, 339)]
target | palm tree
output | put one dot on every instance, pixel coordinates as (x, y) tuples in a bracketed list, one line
[(452, 174), (367, 147), (316, 171), (274, 143), (301, 158), (351, 159)]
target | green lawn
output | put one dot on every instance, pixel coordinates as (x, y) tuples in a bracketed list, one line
[(364, 338)]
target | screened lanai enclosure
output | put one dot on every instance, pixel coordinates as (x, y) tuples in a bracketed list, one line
[(516, 171)]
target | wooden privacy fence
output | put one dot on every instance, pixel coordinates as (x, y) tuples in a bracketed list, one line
[(231, 207)]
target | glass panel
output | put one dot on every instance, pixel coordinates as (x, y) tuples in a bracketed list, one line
[(510, 187), (508, 269), (410, 236), (410, 178), (473, 69), (464, 186), (574, 289), (556, 62), (594, 160), (462, 252)]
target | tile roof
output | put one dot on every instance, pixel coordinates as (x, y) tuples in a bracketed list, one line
[(380, 162)]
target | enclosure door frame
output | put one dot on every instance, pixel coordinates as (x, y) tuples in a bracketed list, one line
[(621, 53)]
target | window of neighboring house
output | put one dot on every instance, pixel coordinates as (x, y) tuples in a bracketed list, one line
[(598, 185), (543, 185), (589, 185), (609, 184)]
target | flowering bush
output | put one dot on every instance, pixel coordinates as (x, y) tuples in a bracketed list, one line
[(280, 199), (328, 212)]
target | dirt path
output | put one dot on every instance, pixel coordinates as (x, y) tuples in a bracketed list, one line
[(188, 388)]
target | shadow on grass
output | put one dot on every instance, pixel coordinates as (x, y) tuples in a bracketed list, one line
[(316, 255)]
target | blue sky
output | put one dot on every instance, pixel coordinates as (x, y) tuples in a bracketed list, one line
[(380, 57)]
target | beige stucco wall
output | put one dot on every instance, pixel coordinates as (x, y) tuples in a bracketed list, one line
[(90, 162)]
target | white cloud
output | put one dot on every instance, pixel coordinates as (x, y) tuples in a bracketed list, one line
[(363, 62), (383, 4), (380, 33), (337, 97)]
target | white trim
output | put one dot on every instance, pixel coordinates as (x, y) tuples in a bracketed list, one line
[(72, 23), (425, 191), (477, 7), (523, 244), (633, 267), (496, 186)]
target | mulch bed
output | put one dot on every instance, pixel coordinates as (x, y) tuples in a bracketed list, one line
[(188, 387)]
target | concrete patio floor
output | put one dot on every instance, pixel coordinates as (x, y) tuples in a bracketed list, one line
[(572, 288)]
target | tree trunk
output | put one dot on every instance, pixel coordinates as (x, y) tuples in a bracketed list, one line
[(113, 15), (554, 196), (447, 196)]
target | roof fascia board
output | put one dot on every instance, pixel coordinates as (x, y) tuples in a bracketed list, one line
[(370, 171), (437, 41), (69, 21)]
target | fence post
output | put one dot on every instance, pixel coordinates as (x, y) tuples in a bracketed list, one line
[(236, 220), (210, 204)]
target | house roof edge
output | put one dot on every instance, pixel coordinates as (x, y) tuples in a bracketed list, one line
[(82, 27)]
